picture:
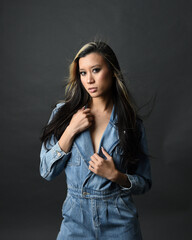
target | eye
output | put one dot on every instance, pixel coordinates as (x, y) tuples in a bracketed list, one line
[(82, 73), (96, 70)]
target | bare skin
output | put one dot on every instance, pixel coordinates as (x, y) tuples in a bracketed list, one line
[(101, 120), (96, 78)]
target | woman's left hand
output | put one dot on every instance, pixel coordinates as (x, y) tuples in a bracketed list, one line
[(103, 167)]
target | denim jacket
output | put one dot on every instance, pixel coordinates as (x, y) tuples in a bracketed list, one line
[(75, 163)]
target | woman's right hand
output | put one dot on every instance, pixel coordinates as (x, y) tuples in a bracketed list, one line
[(80, 121)]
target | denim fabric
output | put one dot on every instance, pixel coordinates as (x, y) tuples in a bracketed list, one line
[(96, 208)]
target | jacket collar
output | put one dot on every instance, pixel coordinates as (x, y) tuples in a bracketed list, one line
[(109, 139)]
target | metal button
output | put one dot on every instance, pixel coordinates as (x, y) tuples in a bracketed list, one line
[(58, 154), (85, 193)]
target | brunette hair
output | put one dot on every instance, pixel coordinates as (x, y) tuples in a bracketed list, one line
[(76, 97)]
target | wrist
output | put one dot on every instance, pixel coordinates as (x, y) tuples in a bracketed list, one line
[(115, 176), (66, 140), (70, 131), (121, 179)]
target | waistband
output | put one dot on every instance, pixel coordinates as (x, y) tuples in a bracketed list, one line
[(91, 193)]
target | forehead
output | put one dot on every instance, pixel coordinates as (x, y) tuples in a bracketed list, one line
[(91, 59)]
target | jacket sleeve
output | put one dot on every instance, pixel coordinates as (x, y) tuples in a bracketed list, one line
[(52, 158), (141, 181)]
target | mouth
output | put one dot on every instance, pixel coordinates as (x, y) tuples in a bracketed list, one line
[(92, 90)]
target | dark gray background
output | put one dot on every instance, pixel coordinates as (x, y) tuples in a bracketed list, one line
[(39, 38)]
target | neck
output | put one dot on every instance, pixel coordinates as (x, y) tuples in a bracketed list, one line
[(101, 104)]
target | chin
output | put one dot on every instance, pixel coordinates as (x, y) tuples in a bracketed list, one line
[(95, 95)]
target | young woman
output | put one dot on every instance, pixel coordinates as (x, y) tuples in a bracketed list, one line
[(96, 136)]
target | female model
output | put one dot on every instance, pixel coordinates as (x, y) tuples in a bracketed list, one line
[(96, 136)]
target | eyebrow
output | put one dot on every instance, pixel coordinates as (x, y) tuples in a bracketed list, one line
[(97, 65)]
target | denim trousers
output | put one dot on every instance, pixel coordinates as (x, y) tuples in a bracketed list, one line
[(97, 215)]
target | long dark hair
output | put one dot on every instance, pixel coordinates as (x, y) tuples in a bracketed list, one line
[(76, 97)]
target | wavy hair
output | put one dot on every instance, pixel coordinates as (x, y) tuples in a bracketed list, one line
[(76, 97)]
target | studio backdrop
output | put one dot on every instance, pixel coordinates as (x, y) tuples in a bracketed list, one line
[(152, 40)]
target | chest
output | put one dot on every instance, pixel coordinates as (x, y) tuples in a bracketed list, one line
[(97, 129)]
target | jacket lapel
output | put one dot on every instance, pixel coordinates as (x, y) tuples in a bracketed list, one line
[(84, 144), (109, 140)]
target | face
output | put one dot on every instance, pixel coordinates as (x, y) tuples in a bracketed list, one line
[(95, 75)]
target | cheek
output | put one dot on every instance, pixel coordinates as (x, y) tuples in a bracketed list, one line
[(107, 79)]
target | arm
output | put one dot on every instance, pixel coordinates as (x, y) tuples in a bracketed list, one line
[(54, 158), (141, 181)]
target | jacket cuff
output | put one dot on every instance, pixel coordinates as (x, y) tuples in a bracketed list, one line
[(131, 180), (56, 153)]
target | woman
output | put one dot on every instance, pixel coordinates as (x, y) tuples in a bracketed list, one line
[(96, 136)]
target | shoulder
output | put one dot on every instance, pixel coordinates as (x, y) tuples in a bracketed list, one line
[(55, 110), (58, 106)]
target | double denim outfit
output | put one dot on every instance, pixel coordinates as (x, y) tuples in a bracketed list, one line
[(95, 207)]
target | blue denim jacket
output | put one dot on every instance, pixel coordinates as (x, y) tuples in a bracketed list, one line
[(76, 162)]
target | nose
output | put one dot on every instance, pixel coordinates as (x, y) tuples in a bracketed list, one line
[(90, 78)]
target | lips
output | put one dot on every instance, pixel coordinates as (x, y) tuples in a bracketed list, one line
[(92, 90)]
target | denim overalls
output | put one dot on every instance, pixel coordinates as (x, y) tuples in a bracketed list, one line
[(96, 208)]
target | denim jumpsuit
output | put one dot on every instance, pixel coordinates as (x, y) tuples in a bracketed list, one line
[(96, 208)]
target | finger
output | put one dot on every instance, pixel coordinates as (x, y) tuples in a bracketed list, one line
[(90, 124), (91, 169), (89, 115), (81, 109), (86, 110), (94, 159), (97, 157), (86, 124), (105, 153), (92, 164), (90, 118)]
